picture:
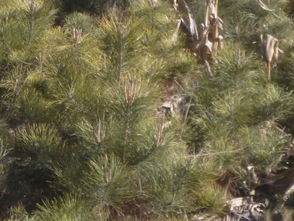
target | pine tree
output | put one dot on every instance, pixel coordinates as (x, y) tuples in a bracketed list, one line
[(82, 132)]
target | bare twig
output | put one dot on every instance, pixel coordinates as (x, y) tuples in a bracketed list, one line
[(187, 21), (264, 7), (77, 35), (270, 52), (208, 69), (216, 153)]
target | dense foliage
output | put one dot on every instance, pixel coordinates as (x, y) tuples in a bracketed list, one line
[(81, 137)]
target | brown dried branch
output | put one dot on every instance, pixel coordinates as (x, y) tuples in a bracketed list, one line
[(204, 45), (188, 23), (270, 52), (77, 35)]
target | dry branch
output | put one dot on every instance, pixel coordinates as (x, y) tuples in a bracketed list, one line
[(77, 35), (188, 23), (270, 52)]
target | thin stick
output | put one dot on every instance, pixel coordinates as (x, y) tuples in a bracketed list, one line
[(217, 153), (269, 71)]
